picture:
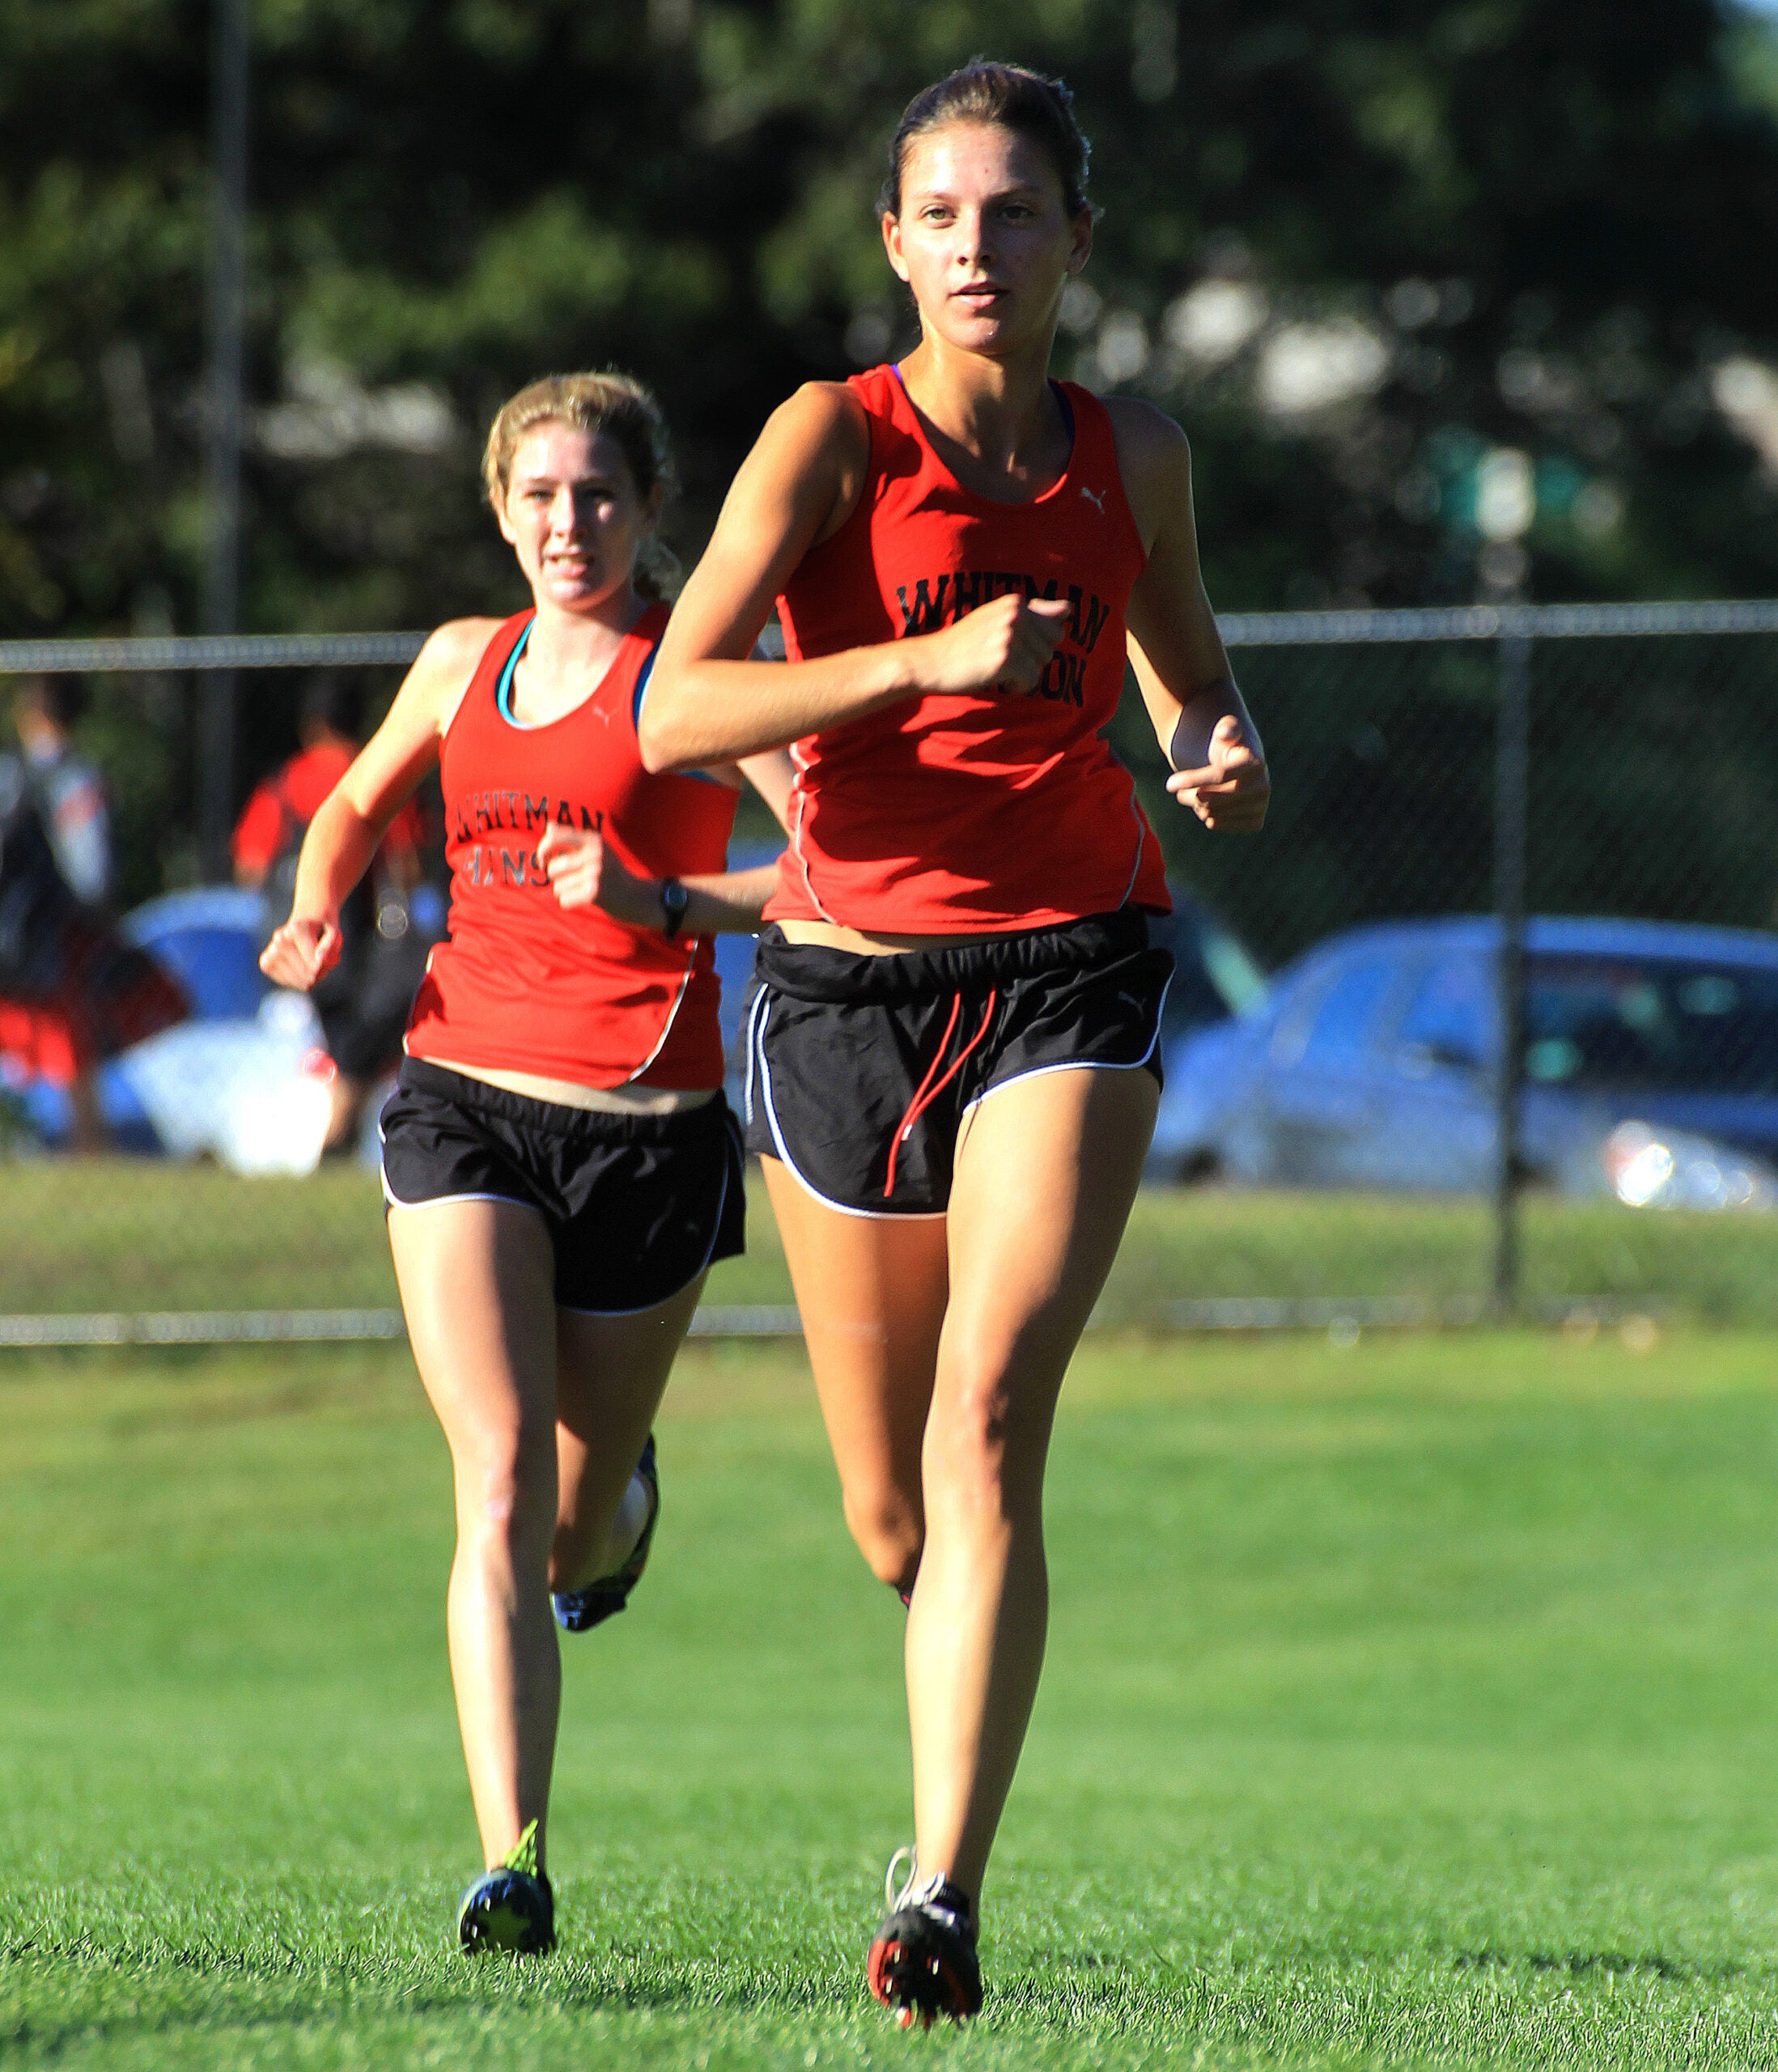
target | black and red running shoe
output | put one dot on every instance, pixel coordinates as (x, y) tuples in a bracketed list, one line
[(604, 1598), (923, 1961)]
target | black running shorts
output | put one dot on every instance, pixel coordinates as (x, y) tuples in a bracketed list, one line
[(637, 1206), (860, 1070)]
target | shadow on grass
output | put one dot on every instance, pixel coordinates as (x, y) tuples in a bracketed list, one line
[(1598, 1963), (64, 1989), (57, 1991)]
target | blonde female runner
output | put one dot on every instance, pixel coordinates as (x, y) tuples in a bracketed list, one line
[(559, 1164)]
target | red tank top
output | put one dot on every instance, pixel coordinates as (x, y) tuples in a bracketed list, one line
[(520, 985), (979, 814)]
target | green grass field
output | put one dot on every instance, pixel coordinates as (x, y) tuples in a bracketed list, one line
[(108, 1234), (1410, 1704)]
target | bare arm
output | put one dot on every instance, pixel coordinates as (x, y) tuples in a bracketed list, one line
[(1203, 727), (585, 872), (731, 903), (343, 836), (708, 703)]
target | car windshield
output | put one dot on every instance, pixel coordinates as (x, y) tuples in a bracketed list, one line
[(1681, 1026), (1239, 980), (1213, 977)]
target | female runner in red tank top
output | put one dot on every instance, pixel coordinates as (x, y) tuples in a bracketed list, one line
[(953, 1071), (558, 1161)]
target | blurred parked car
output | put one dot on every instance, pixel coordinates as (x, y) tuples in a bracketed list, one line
[(245, 1079), (1215, 977), (1651, 1066)]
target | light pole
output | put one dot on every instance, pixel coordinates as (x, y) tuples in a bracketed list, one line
[(224, 324), (1505, 505)]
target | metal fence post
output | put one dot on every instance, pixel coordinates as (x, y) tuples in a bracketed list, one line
[(1512, 783), (224, 324)]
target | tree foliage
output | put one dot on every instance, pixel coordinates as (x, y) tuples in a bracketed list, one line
[(1358, 249)]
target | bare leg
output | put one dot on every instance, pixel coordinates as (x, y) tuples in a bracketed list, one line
[(345, 1104), (871, 1291), (1046, 1171), (939, 1349), (612, 1374), (89, 1134), (478, 1285)]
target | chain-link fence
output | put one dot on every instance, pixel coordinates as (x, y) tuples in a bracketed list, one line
[(1653, 767), (1446, 782), (1504, 849)]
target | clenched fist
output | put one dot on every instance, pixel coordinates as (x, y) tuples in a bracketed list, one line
[(1003, 645), (583, 872), (302, 952)]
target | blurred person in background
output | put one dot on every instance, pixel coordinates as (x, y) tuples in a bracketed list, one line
[(70, 790), (362, 1002), (72, 992)]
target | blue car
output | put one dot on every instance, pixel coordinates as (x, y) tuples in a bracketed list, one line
[(1650, 1066)]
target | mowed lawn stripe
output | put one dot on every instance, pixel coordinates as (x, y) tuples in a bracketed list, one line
[(108, 1235), (1408, 1703)]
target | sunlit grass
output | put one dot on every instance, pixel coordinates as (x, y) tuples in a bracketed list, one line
[(1407, 1703)]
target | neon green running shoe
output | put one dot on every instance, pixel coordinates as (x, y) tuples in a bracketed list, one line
[(511, 1907)]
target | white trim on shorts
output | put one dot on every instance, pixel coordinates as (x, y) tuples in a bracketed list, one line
[(391, 1200), (752, 1018), (815, 1194), (1075, 1064), (715, 1232)]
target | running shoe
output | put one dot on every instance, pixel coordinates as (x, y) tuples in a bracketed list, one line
[(605, 1596), (511, 1907), (923, 1961)]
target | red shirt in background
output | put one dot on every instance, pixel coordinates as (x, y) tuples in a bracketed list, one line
[(290, 799)]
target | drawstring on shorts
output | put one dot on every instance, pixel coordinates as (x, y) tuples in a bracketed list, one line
[(928, 1092)]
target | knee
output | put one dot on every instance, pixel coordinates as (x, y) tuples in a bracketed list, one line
[(506, 1493), (979, 1459), (889, 1532)]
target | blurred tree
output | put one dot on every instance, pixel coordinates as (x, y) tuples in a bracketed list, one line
[(1360, 250), (1357, 248)]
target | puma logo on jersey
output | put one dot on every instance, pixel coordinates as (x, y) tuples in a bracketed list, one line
[(1094, 498)]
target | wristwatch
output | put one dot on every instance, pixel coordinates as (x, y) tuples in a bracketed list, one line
[(674, 899)]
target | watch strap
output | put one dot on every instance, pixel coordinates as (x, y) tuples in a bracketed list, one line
[(674, 899)]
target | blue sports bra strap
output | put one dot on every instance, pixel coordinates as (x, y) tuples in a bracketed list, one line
[(502, 690), (643, 675)]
